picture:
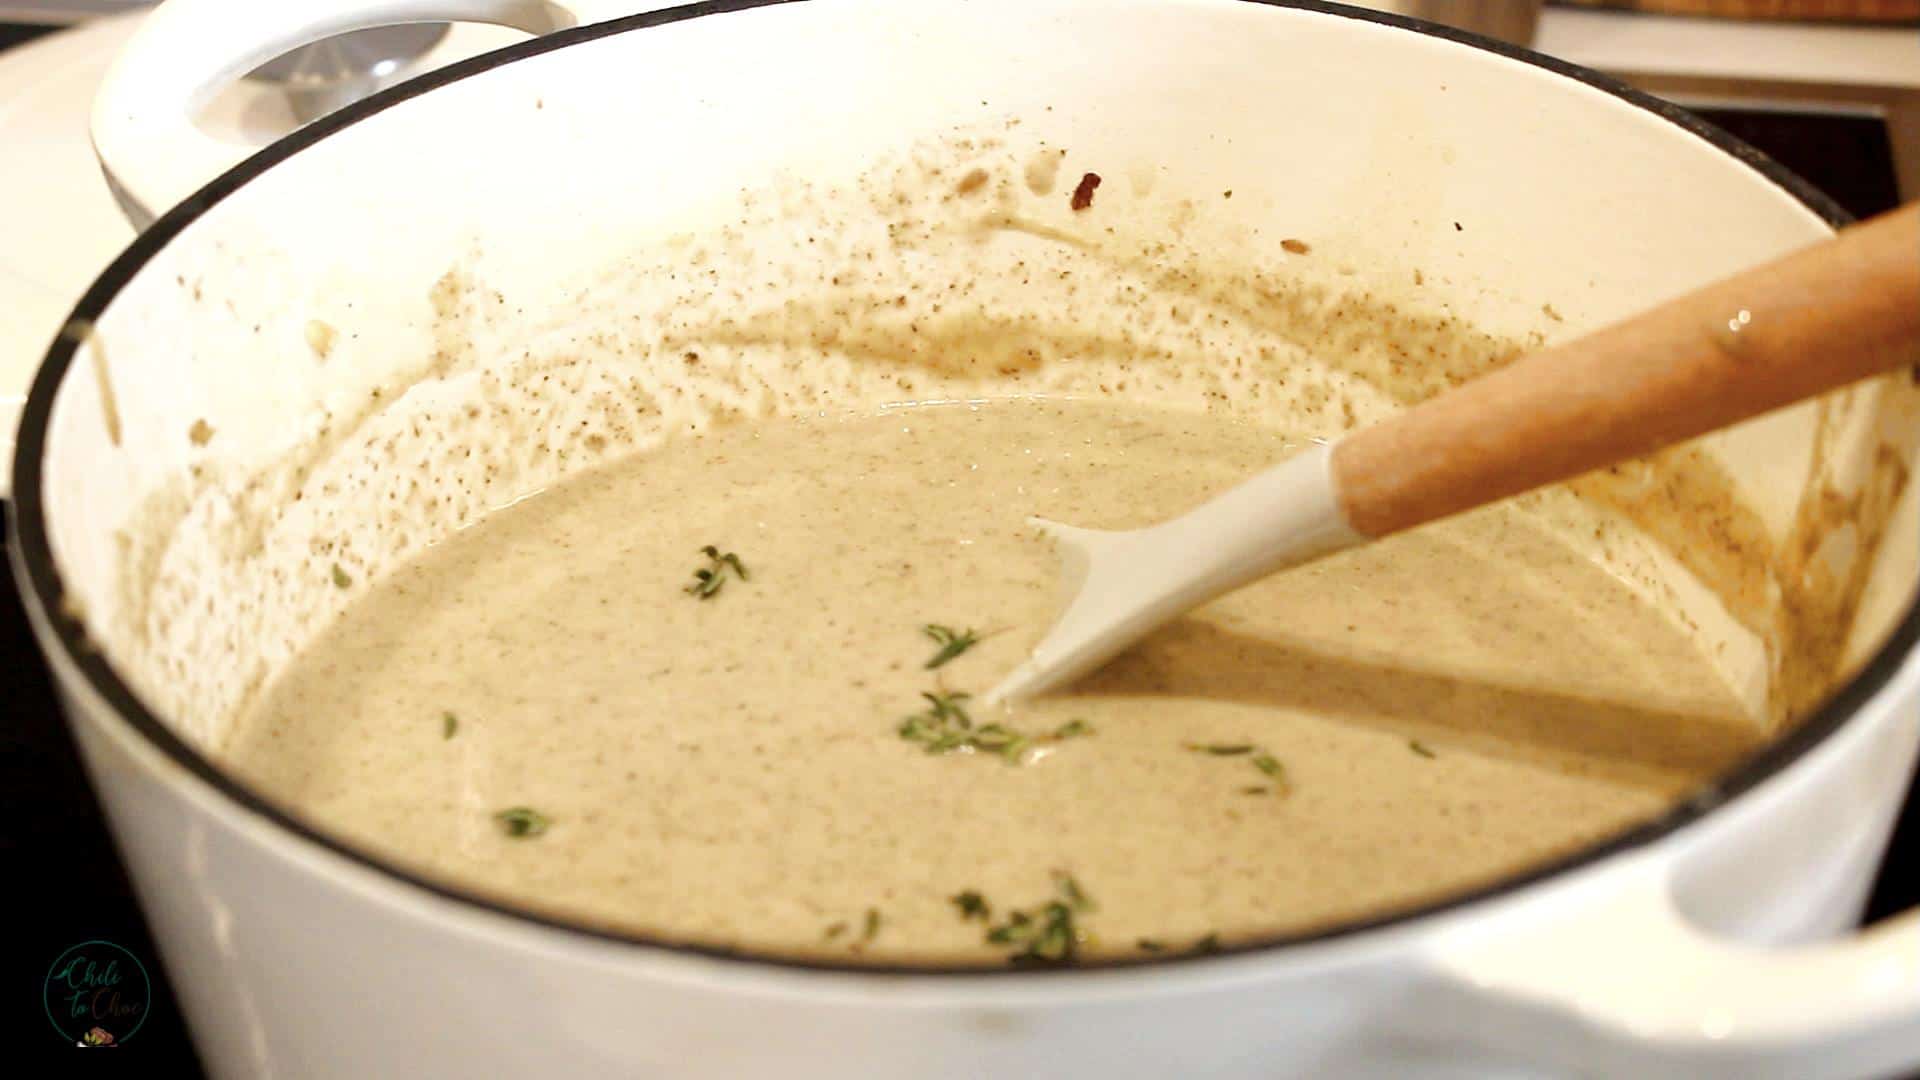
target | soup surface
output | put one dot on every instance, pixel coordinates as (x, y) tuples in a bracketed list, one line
[(551, 707)]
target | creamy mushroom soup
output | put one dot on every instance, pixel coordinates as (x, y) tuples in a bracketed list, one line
[(717, 692)]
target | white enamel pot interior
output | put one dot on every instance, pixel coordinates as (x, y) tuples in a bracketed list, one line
[(276, 302)]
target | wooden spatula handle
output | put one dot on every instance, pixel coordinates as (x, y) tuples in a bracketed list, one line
[(1813, 321)]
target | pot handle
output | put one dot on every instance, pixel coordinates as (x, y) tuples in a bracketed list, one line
[(150, 149), (1622, 984)]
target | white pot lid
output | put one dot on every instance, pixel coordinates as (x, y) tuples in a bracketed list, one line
[(60, 222)]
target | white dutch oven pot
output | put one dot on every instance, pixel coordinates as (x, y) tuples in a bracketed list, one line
[(1712, 942)]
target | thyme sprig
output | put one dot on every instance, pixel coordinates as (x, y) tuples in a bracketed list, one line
[(1048, 934), (952, 642), (945, 726), (710, 579)]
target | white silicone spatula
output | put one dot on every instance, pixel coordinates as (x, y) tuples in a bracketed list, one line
[(1816, 320)]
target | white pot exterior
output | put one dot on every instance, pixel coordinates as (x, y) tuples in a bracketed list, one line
[(296, 960), (293, 961)]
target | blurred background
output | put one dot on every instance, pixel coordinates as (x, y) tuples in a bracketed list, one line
[(1829, 87)]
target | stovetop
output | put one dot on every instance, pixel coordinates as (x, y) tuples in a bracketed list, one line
[(68, 884)]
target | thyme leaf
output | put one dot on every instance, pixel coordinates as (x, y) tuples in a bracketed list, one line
[(1071, 890), (1256, 755), (449, 724), (1208, 944), (952, 643), (972, 905), (869, 929), (1221, 749), (708, 580), (949, 706), (341, 579), (1420, 748), (522, 822)]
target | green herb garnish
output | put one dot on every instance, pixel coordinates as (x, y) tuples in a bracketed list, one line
[(1046, 935), (1221, 749), (999, 739), (340, 578), (449, 724), (1267, 764), (951, 643), (708, 581), (949, 706), (1208, 944), (869, 929), (972, 905), (935, 738), (1420, 748), (1043, 940), (1070, 889), (522, 822), (945, 726)]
